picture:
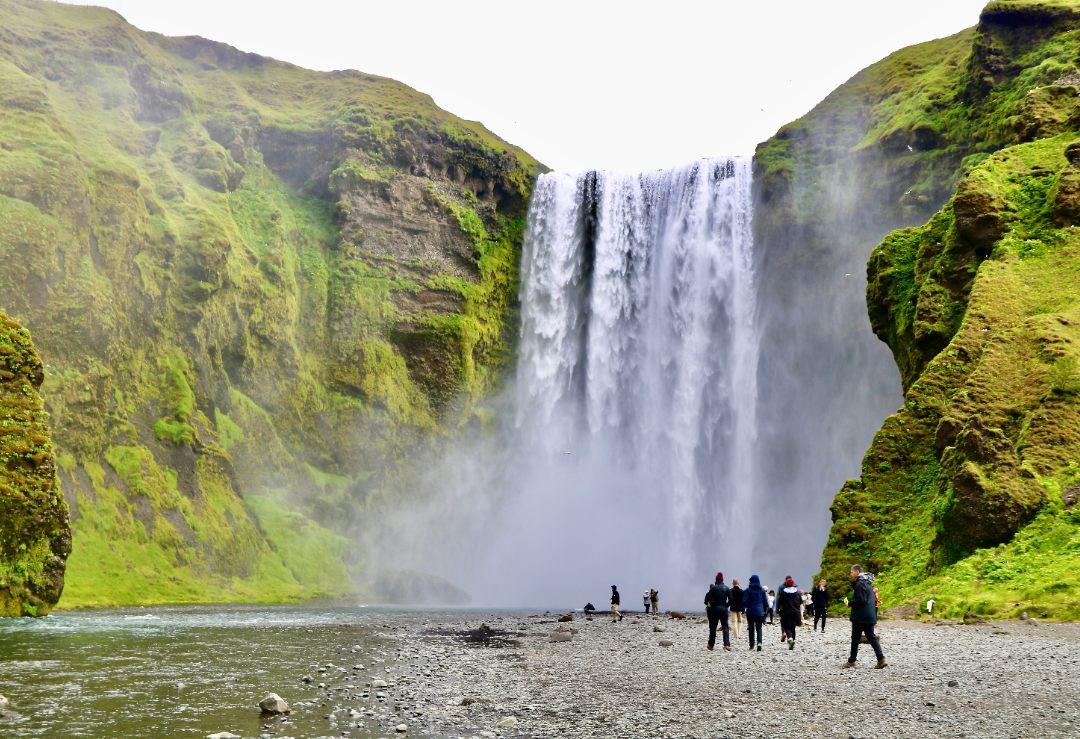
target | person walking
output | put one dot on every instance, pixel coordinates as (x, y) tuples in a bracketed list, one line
[(863, 616), (717, 603), (772, 606), (789, 604), (755, 601), (737, 608), (647, 598), (820, 598), (615, 615), (654, 597)]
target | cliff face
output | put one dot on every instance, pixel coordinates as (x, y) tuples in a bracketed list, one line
[(35, 537), (967, 493), (254, 288)]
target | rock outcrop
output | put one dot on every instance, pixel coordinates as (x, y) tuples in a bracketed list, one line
[(255, 288), (963, 494), (35, 538)]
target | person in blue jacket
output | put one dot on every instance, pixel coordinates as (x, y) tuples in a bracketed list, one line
[(755, 602), (863, 616)]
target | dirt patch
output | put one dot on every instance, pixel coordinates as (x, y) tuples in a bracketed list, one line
[(484, 636)]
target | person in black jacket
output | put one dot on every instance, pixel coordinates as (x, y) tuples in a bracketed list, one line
[(615, 615), (717, 602), (737, 608), (863, 616), (820, 598), (789, 604)]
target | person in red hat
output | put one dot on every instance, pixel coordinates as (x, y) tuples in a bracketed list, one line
[(789, 604)]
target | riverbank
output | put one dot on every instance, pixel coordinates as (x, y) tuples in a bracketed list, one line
[(1007, 679)]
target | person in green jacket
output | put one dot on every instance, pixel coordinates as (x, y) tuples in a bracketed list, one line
[(863, 616)]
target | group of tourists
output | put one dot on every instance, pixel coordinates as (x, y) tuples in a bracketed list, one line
[(651, 601), (727, 606)]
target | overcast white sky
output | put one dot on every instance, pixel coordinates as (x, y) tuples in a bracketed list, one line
[(583, 84)]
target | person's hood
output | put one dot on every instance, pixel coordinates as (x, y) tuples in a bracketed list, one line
[(867, 578), (791, 589), (755, 582)]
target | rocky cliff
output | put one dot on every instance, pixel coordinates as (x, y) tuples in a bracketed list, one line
[(968, 492), (254, 288), (35, 537)]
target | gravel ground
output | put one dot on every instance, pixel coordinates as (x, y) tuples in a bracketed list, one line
[(453, 678)]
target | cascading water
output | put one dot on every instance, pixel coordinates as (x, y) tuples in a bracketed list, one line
[(634, 425)]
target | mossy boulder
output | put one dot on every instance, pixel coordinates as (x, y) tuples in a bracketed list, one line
[(35, 536)]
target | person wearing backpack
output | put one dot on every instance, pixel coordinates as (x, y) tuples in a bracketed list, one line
[(717, 603)]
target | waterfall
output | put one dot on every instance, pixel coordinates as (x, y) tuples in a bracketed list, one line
[(634, 415)]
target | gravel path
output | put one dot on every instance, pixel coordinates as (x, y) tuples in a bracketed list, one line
[(1007, 679)]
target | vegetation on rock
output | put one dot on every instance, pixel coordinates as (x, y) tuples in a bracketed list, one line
[(968, 492), (35, 537), (254, 288)]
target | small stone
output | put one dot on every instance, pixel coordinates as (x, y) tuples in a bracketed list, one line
[(657, 630), (307, 679), (953, 684), (377, 683), (566, 619), (667, 643), (507, 723), (274, 703), (401, 728), (4, 702), (223, 735)]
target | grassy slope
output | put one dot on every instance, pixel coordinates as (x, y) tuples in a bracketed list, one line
[(967, 492), (236, 359)]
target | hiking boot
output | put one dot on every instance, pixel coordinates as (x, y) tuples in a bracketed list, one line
[(709, 648), (881, 663), (759, 647), (783, 638), (847, 664), (751, 647), (791, 645), (727, 649)]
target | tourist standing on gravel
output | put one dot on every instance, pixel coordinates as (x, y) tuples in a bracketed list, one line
[(755, 601), (647, 598), (863, 616), (772, 606), (820, 598), (717, 603), (789, 603), (737, 608), (654, 596), (615, 615)]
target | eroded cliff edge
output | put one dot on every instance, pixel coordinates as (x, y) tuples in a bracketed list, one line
[(255, 289), (968, 492)]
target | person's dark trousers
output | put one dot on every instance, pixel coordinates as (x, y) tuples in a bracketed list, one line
[(754, 623), (714, 620), (646, 609), (769, 613), (820, 616), (857, 630), (787, 626)]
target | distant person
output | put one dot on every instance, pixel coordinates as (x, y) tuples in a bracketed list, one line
[(863, 616), (808, 605), (654, 598), (717, 603), (589, 609), (737, 608), (789, 603), (820, 597), (755, 601), (772, 606), (647, 597), (615, 615)]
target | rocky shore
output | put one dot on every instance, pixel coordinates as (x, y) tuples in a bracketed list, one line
[(505, 676)]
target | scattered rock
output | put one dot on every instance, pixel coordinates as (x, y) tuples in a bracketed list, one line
[(677, 615), (274, 703), (1032, 621), (971, 618), (1024, 616), (4, 702), (507, 723), (401, 728), (561, 636), (223, 735), (657, 630), (667, 643), (953, 684), (307, 679), (377, 683), (565, 619)]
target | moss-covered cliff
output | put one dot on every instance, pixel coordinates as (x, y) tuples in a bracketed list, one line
[(254, 287), (967, 493), (35, 537)]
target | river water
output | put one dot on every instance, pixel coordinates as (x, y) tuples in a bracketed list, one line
[(193, 671)]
